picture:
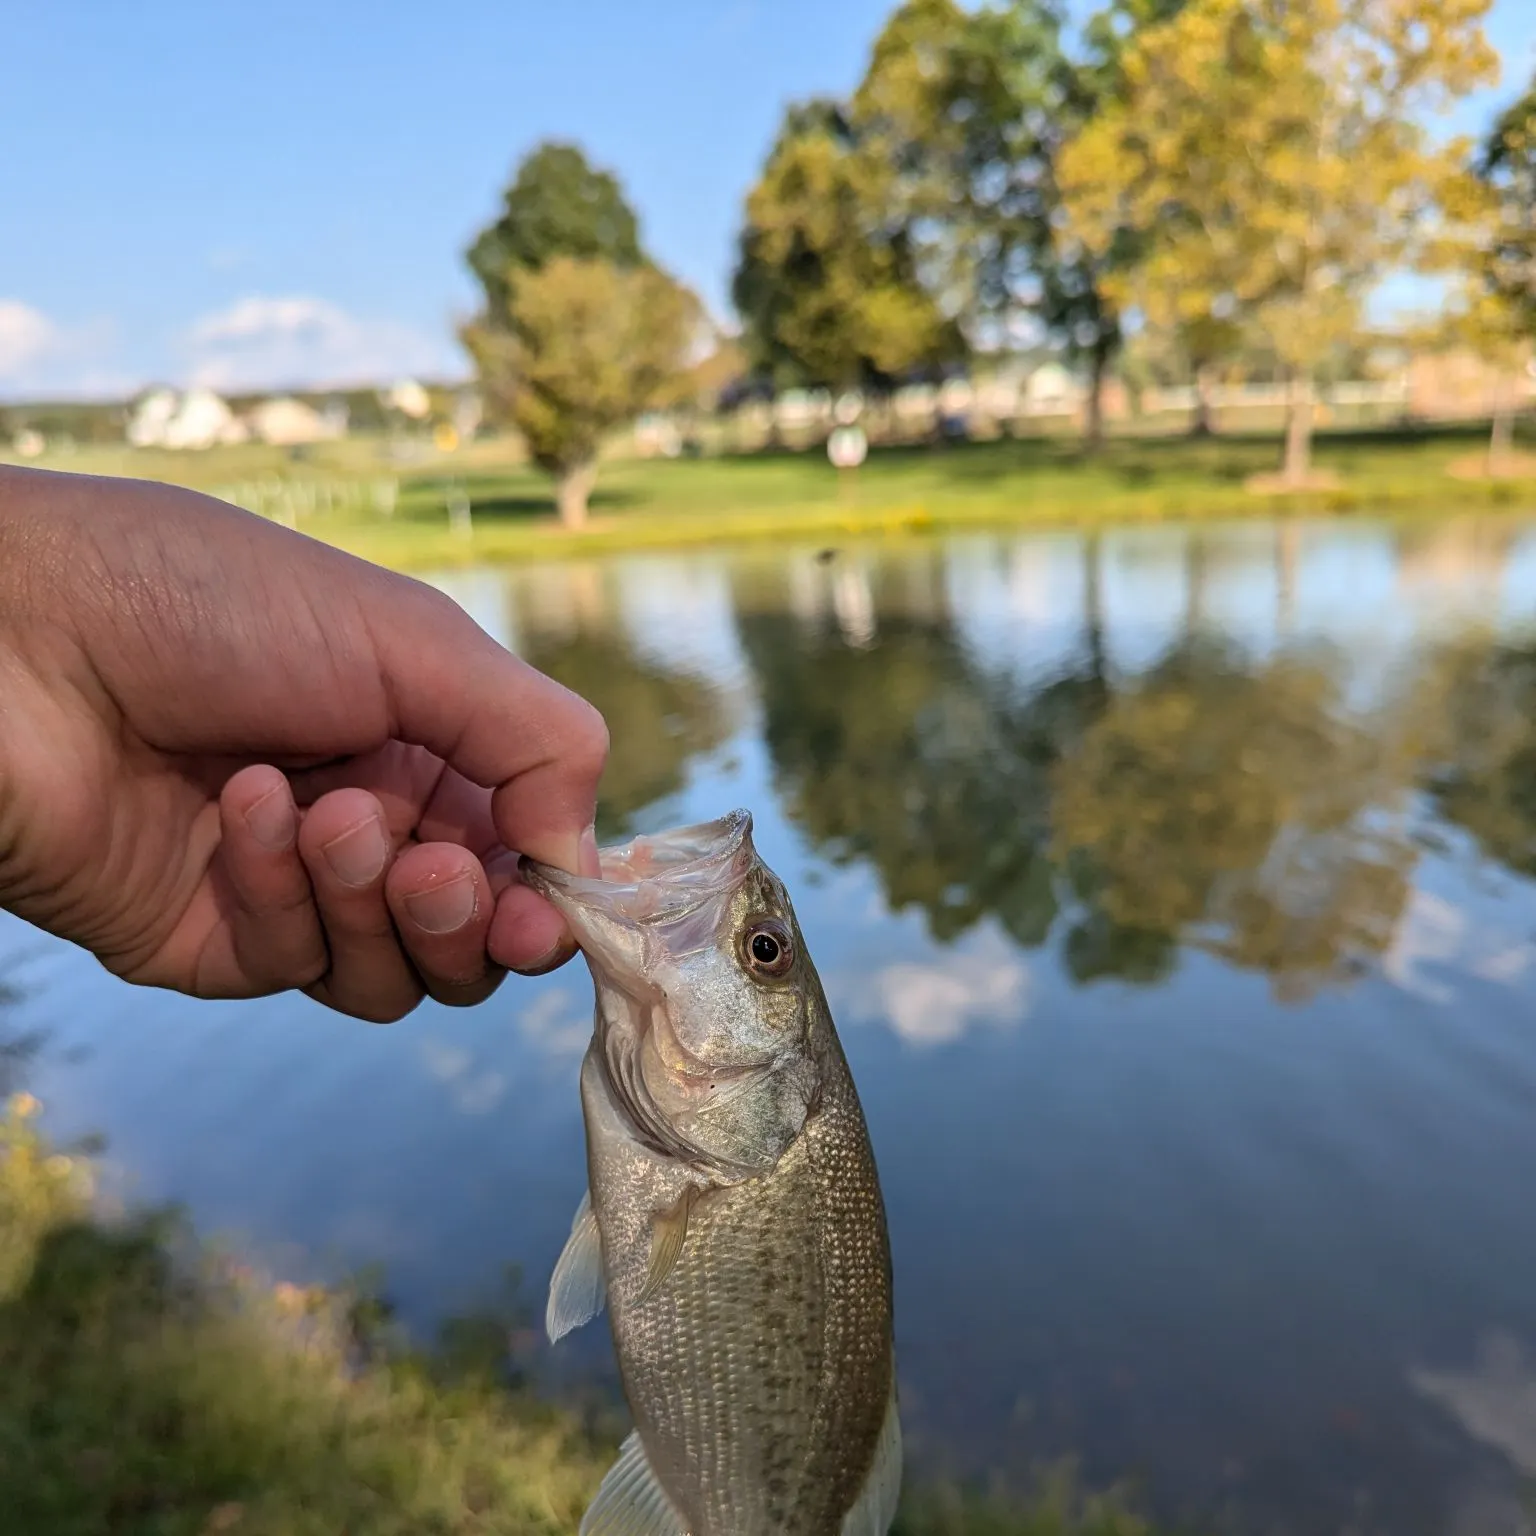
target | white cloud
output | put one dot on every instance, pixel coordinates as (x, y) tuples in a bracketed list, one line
[(42, 358), (27, 335), (266, 342)]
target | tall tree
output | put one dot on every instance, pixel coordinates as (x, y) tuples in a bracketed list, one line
[(1275, 157), (972, 109), (1497, 315), (579, 331), (826, 282), (583, 347), (556, 205)]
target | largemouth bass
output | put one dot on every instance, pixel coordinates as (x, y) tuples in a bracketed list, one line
[(733, 1221)]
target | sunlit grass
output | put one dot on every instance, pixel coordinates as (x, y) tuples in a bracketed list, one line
[(333, 490)]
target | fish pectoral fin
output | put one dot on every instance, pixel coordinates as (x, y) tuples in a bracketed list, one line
[(629, 1501), (875, 1508), (577, 1288), (669, 1229)]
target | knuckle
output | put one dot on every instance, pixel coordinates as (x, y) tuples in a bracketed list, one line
[(381, 1010), (585, 738)]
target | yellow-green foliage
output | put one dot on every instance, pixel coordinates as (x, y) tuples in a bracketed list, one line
[(1274, 159)]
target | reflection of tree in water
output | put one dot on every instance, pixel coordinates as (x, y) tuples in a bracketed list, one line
[(1484, 777), (659, 718), (1235, 808), (909, 755), (16, 1047), (1212, 802)]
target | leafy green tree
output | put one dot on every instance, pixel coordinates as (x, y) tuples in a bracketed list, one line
[(826, 281), (580, 331), (1274, 158), (556, 205), (1497, 313), (583, 347), (972, 109)]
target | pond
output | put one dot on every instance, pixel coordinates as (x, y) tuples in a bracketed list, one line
[(1173, 892)]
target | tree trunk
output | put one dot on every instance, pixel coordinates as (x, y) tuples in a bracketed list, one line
[(1287, 544), (1204, 424), (572, 488), (1195, 568), (1098, 366), (1501, 437), (1298, 429), (1093, 610)]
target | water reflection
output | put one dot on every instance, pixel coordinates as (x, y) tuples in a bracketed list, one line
[(1174, 893), (913, 757), (1236, 808), (660, 718)]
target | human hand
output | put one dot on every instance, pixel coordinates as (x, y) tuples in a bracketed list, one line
[(235, 761)]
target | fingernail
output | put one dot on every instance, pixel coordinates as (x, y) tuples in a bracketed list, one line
[(587, 861), (555, 955), (357, 856), (443, 908), (272, 821)]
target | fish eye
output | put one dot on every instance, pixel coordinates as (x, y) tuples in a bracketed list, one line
[(768, 949)]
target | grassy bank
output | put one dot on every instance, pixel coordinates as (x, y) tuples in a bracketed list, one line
[(354, 495), (147, 1390)]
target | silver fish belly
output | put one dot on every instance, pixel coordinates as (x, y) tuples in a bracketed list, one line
[(734, 1223)]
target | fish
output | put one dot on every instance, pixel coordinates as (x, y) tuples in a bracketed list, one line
[(733, 1224)]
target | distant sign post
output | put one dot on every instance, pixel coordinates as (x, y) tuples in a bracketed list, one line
[(847, 447)]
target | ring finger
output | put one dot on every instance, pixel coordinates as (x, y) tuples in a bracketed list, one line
[(442, 903)]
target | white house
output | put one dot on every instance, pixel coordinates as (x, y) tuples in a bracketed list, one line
[(286, 423), (197, 419)]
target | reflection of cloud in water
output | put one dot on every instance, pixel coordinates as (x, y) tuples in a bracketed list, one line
[(557, 1022), (1494, 1402), (938, 1001), (1434, 931), (475, 1092)]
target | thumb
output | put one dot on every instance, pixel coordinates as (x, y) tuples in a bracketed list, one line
[(537, 746)]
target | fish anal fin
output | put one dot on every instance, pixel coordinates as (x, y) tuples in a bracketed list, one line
[(577, 1288), (630, 1501), (875, 1507), (669, 1231)]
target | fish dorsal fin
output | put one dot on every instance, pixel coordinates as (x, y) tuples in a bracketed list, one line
[(576, 1289), (876, 1507), (669, 1228), (630, 1501)]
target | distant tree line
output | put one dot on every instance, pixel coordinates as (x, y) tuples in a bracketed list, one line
[(1212, 177)]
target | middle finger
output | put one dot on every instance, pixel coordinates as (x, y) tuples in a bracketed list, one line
[(347, 850)]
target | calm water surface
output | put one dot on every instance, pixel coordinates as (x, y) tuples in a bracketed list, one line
[(1174, 896)]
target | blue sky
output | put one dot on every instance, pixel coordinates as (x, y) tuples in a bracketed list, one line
[(252, 196)]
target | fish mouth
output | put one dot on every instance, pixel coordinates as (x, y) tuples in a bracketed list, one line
[(653, 879)]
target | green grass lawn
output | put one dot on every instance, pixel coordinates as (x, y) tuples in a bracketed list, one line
[(640, 503), (148, 1388)]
